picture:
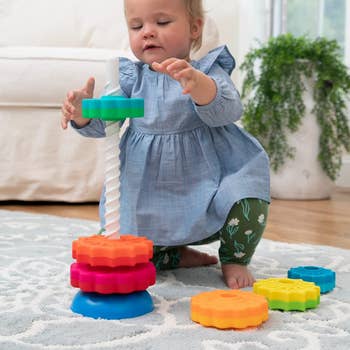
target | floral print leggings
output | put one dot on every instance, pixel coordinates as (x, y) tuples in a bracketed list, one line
[(238, 237)]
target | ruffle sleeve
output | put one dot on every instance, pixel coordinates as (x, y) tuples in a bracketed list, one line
[(222, 56), (128, 74), (226, 108)]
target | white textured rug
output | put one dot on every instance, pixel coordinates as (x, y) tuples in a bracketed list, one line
[(35, 298)]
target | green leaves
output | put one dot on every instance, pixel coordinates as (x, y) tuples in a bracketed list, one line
[(273, 96)]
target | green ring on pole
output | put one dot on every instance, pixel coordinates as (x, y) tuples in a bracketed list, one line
[(113, 108)]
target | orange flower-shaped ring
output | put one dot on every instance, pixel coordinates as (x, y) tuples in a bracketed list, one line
[(99, 250), (229, 309)]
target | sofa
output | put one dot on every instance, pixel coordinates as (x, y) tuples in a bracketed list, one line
[(47, 48)]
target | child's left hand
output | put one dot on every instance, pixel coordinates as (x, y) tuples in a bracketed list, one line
[(179, 70)]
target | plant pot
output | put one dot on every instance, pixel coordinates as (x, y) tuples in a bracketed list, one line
[(302, 177)]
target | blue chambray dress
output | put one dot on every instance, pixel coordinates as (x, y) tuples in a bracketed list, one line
[(183, 166)]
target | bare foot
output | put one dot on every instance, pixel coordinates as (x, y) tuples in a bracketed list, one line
[(237, 276), (191, 258)]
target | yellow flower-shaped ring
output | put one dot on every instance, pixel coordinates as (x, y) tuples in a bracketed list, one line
[(288, 294)]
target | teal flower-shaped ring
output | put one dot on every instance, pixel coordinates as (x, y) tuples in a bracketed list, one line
[(113, 108)]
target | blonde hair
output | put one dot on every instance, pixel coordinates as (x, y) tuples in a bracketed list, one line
[(195, 10)]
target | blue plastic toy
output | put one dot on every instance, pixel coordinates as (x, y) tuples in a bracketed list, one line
[(112, 306), (324, 278)]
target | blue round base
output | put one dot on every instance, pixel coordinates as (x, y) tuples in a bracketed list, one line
[(112, 306)]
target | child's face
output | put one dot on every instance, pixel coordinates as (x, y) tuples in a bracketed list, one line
[(160, 29)]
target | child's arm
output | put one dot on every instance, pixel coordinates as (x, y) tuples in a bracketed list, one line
[(216, 99), (199, 85), (72, 106)]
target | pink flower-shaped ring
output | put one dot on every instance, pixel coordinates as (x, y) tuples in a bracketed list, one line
[(108, 280)]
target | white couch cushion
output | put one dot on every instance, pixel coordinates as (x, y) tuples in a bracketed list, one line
[(73, 23), (40, 161), (40, 76), (66, 23)]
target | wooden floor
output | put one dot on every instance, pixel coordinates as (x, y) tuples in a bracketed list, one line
[(325, 222)]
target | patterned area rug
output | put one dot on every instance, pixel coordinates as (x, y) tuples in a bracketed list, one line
[(35, 298)]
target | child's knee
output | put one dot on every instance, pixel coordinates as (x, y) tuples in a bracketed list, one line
[(166, 258)]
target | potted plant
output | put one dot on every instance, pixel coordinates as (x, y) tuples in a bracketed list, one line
[(294, 92)]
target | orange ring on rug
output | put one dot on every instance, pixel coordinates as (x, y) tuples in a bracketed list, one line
[(99, 250), (229, 309)]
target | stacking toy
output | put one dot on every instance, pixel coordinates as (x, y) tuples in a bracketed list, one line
[(106, 280), (112, 271), (229, 309), (288, 294), (322, 277), (112, 306), (113, 108), (99, 250), (112, 292)]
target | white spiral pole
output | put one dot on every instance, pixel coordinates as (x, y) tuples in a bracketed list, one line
[(112, 161)]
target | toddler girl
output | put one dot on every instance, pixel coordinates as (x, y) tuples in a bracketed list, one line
[(188, 174)]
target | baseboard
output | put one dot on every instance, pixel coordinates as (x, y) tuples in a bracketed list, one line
[(344, 179)]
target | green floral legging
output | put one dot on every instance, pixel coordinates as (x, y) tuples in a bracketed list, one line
[(238, 237)]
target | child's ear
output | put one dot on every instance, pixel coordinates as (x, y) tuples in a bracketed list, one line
[(196, 27)]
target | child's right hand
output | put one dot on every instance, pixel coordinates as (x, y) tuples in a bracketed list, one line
[(72, 105)]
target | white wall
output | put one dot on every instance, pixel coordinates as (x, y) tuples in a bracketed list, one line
[(249, 23), (224, 13), (344, 178)]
